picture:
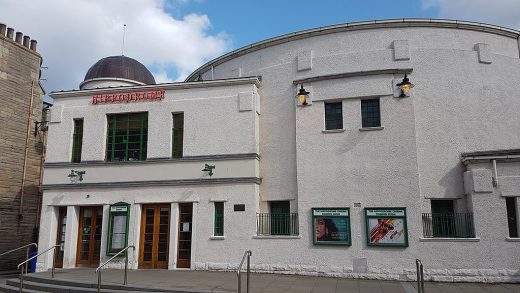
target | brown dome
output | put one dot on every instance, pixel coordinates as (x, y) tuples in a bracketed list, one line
[(120, 67)]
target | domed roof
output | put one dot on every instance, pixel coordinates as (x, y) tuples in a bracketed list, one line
[(120, 67)]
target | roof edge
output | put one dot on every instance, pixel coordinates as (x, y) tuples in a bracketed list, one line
[(163, 86), (374, 24)]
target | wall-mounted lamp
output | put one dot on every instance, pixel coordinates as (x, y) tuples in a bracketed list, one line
[(76, 175), (302, 96), (44, 124), (209, 169), (405, 87)]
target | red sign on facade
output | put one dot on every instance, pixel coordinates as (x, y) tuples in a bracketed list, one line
[(128, 97)]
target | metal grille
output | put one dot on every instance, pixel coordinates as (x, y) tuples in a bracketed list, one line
[(219, 219), (457, 225), (277, 224)]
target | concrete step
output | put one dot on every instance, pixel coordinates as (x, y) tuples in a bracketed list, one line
[(11, 289), (38, 284)]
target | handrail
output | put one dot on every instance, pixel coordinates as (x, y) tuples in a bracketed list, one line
[(21, 247), (248, 253), (35, 256), (98, 269), (420, 276)]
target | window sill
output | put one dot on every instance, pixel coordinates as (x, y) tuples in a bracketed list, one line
[(372, 128), (440, 239), (217, 237), (277, 237), (333, 130), (511, 239)]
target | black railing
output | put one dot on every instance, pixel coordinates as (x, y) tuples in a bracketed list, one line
[(277, 224), (458, 225)]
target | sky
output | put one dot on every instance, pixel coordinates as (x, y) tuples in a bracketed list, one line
[(172, 38)]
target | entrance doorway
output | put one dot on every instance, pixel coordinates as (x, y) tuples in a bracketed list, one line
[(60, 237), (185, 229), (89, 236), (154, 240)]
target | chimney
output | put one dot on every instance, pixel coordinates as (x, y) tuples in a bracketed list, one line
[(19, 37), (26, 41), (33, 45), (10, 33), (2, 29)]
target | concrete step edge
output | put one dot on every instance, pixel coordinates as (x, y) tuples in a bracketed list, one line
[(43, 287), (11, 289)]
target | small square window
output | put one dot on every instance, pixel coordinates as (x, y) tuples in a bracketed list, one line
[(333, 116), (370, 113)]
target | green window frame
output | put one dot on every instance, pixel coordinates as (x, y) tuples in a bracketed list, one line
[(177, 134), (77, 141), (218, 229), (333, 116), (386, 226), (127, 137), (117, 238)]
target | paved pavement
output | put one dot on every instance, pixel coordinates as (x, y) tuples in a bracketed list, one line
[(202, 281)]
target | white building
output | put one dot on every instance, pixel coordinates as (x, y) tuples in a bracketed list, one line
[(358, 183)]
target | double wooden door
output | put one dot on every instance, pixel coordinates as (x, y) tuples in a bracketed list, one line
[(154, 243), (89, 236)]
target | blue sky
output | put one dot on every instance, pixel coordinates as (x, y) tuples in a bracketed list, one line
[(174, 37), (247, 22)]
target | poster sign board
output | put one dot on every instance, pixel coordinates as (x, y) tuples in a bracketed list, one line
[(331, 226), (386, 227)]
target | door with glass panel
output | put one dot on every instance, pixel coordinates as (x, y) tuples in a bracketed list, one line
[(155, 227), (89, 236), (185, 229), (60, 236)]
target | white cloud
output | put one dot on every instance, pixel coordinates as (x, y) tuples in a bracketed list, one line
[(498, 12), (73, 35)]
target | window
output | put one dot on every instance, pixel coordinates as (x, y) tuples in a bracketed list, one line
[(127, 137), (333, 116), (118, 227), (77, 140), (444, 222), (512, 217), (177, 134), (370, 113), (219, 219)]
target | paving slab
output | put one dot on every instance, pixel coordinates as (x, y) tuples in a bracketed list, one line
[(224, 282)]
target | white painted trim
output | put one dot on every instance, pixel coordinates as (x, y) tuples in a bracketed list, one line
[(218, 200), (333, 131), (371, 128), (217, 237), (510, 239)]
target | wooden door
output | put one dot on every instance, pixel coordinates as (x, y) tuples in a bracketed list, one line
[(185, 229), (89, 236), (60, 237), (154, 240)]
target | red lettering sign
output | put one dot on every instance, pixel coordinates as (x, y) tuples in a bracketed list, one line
[(149, 96)]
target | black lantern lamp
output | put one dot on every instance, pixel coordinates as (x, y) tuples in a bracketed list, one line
[(302, 96), (405, 86)]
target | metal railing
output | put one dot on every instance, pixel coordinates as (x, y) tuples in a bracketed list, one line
[(420, 276), (28, 246), (98, 269), (247, 254), (277, 224), (457, 225), (35, 256)]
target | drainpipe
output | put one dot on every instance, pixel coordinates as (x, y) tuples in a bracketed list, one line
[(495, 173), (29, 116)]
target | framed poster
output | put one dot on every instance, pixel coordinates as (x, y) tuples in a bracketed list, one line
[(117, 237), (331, 226), (386, 227)]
